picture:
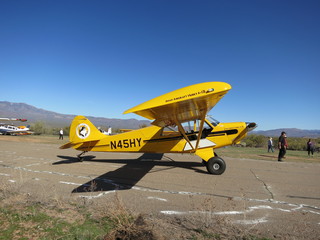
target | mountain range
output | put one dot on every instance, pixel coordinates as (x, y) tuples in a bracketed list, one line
[(53, 119), (290, 132)]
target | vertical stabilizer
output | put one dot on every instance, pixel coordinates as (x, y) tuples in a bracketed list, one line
[(82, 130)]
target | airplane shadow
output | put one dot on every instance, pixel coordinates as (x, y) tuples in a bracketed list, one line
[(129, 174), (303, 197), (69, 159)]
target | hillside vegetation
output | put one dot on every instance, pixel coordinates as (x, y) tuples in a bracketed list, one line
[(294, 143)]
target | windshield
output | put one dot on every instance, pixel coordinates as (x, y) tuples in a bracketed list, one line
[(213, 121)]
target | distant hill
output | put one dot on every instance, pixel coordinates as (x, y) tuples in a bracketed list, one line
[(53, 119), (291, 132)]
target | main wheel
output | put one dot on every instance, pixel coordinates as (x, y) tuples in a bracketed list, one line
[(216, 166)]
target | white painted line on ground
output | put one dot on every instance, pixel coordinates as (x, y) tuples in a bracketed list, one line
[(249, 210), (97, 196), (5, 174), (159, 199), (70, 183), (251, 222)]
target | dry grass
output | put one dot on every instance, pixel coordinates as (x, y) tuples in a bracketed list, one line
[(23, 216)]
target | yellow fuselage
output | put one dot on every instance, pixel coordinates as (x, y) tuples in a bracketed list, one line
[(154, 140)]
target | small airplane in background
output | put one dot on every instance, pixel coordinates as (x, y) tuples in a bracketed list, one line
[(180, 125), (108, 132), (9, 129)]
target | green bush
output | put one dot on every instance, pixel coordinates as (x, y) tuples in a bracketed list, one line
[(41, 128), (255, 141)]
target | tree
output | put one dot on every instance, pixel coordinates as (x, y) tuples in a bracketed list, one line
[(38, 128)]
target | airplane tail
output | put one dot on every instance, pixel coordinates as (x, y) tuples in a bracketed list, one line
[(82, 133)]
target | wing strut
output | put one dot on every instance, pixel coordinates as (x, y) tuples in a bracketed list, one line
[(200, 129), (183, 132)]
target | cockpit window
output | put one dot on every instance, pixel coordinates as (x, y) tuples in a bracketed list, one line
[(191, 129), (213, 121)]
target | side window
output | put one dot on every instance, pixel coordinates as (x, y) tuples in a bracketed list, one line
[(191, 129)]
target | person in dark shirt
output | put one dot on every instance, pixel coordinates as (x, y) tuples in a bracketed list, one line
[(310, 147), (282, 145)]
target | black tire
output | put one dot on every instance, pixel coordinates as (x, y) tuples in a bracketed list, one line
[(216, 166)]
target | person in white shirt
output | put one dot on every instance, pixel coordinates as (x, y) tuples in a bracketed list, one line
[(61, 134), (270, 144)]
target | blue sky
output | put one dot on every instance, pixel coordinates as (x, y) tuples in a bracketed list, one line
[(100, 58)]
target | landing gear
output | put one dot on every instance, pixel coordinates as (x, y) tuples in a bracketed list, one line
[(80, 156), (215, 165)]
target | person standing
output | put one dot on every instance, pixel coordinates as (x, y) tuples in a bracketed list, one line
[(61, 134), (270, 144), (310, 147), (282, 145)]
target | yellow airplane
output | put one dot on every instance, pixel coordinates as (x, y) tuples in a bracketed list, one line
[(180, 125)]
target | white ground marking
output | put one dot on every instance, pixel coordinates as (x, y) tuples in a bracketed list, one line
[(250, 222), (70, 183), (97, 196), (33, 164), (5, 174), (249, 210), (159, 199)]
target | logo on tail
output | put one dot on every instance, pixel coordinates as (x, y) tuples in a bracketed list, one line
[(83, 131)]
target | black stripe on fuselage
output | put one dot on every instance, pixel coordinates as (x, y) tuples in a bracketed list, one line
[(221, 133), (211, 134)]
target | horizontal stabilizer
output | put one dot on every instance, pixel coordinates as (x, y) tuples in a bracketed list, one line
[(68, 145)]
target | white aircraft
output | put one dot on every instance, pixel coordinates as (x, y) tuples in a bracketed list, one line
[(109, 132), (9, 129)]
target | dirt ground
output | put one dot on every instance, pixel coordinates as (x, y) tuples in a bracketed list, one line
[(276, 200)]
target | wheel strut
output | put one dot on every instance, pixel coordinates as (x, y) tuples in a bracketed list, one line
[(80, 156)]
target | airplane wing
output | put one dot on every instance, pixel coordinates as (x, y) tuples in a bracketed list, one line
[(185, 104), (13, 119)]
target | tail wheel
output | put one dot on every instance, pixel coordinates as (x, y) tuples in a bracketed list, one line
[(216, 166)]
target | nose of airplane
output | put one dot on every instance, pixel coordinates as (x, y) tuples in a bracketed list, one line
[(251, 126)]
